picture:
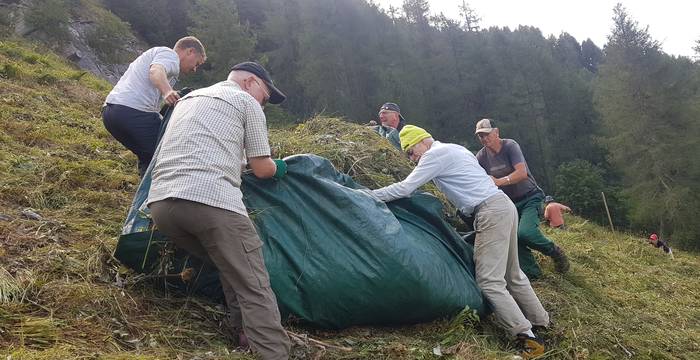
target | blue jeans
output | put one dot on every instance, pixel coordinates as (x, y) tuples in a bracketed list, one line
[(136, 130)]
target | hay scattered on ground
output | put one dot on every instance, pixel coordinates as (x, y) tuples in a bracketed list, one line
[(64, 297)]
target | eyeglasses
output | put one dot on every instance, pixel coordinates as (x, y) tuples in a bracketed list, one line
[(267, 94), (385, 111)]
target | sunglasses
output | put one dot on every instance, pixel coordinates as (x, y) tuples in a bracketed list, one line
[(410, 151)]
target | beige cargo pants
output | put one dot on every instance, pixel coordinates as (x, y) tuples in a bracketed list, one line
[(498, 273), (230, 242)]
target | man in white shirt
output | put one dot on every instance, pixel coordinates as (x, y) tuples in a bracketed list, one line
[(457, 173), (130, 112)]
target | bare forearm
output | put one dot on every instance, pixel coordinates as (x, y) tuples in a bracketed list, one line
[(518, 175), (263, 167), (159, 79)]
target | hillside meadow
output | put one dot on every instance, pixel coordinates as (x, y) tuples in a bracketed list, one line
[(65, 188)]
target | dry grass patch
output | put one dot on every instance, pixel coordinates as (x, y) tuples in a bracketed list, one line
[(62, 295)]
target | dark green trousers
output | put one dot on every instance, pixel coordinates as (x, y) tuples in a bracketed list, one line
[(529, 235)]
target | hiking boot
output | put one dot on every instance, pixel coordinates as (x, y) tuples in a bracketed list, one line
[(561, 262), (529, 347)]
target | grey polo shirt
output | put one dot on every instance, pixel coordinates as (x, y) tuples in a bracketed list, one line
[(209, 134), (135, 89), (502, 164)]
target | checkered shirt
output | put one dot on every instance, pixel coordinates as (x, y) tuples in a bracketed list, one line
[(209, 134)]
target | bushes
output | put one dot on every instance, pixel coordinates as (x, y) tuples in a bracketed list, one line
[(579, 185), (9, 71), (109, 36), (50, 17)]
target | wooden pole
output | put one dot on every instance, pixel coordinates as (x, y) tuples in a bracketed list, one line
[(607, 211)]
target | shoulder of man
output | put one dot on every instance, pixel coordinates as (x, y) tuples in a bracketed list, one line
[(160, 50), (511, 147), (440, 148), (510, 142), (227, 91), (481, 153)]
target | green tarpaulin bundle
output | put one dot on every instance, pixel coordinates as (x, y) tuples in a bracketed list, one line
[(336, 256)]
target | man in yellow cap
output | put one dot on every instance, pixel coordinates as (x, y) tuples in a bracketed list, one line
[(457, 173)]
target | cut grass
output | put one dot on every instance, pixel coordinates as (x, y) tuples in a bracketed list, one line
[(65, 297)]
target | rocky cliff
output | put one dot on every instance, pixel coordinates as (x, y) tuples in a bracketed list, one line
[(76, 46)]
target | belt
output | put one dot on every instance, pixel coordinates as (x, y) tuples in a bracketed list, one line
[(488, 200), (531, 193)]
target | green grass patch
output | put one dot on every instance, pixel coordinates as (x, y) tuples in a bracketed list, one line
[(63, 296)]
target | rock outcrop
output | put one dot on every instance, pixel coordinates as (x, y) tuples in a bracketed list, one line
[(76, 48)]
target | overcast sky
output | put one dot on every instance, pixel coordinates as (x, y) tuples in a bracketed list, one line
[(675, 23)]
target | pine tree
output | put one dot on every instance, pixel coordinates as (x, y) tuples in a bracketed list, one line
[(471, 19), (216, 24), (648, 102), (416, 11), (591, 55)]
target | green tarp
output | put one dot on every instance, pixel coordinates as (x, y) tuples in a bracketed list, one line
[(336, 256)]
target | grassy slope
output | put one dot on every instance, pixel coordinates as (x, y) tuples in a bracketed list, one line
[(63, 300)]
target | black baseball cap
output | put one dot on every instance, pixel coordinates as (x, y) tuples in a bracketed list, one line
[(276, 96), (393, 107)]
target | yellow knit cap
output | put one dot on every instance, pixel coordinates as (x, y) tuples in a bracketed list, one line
[(411, 135)]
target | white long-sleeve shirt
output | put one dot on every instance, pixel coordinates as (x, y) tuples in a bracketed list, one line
[(454, 170)]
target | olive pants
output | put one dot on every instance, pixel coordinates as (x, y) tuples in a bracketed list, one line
[(530, 236)]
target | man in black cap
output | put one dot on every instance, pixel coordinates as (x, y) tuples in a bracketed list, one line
[(391, 123), (196, 201), (390, 116)]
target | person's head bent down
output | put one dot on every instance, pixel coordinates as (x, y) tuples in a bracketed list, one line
[(256, 81), (653, 238), (415, 141), (191, 53)]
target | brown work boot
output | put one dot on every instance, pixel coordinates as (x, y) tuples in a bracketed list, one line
[(530, 347), (561, 262)]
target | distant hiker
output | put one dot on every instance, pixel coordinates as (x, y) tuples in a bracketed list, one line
[(130, 112), (654, 240), (504, 161), (391, 123), (196, 200), (456, 172), (553, 212)]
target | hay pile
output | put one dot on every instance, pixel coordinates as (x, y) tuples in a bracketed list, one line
[(353, 149), (62, 295)]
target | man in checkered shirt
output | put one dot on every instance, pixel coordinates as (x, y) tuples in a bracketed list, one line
[(196, 201)]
